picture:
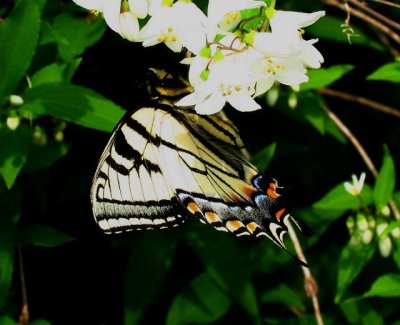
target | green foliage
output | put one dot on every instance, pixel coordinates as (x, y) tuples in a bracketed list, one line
[(387, 72), (70, 71)]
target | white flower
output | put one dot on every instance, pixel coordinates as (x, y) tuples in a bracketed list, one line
[(222, 76), (355, 188), (121, 16), (182, 24), (292, 20), (224, 15)]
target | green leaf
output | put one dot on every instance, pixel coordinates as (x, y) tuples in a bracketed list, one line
[(18, 37), (14, 149), (352, 261), (73, 103), (310, 107), (5, 320), (220, 256), (202, 302), (329, 28), (385, 286), (385, 182), (40, 322), (359, 312), (263, 158), (284, 295), (10, 204), (49, 74), (40, 157), (151, 252), (75, 34), (388, 72), (324, 77), (44, 236), (396, 252), (339, 199)]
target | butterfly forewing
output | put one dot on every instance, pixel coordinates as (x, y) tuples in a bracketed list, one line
[(129, 190)]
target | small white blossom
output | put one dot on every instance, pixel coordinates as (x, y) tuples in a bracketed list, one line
[(222, 77), (178, 26), (223, 15), (355, 188), (121, 16)]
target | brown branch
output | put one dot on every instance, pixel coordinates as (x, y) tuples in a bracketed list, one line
[(360, 100), (370, 165), (388, 3), (363, 6), (310, 285), (375, 23), (24, 315)]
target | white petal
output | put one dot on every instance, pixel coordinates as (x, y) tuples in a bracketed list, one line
[(243, 102), (129, 26), (211, 105), (310, 56), (174, 46), (271, 44), (190, 100), (91, 4), (264, 85), (139, 8), (111, 12), (348, 187), (292, 19)]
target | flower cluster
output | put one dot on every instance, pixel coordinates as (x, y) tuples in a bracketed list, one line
[(238, 50)]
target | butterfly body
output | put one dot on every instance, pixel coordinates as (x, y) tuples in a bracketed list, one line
[(165, 163)]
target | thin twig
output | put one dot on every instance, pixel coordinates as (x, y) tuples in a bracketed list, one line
[(349, 135), (388, 3), (375, 23), (310, 285), (377, 15), (360, 100), (24, 315)]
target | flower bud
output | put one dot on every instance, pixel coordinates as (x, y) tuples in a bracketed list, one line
[(59, 136), (39, 136), (272, 96), (350, 224), (16, 100), (385, 211), (371, 222), (395, 233), (385, 246), (292, 100), (380, 228), (362, 223), (367, 236), (13, 122)]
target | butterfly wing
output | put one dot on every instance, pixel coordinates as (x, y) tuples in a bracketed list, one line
[(203, 164), (129, 190)]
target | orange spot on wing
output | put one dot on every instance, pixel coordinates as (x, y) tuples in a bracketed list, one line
[(271, 191), (252, 226), (193, 208), (279, 213), (234, 225), (248, 190), (211, 217)]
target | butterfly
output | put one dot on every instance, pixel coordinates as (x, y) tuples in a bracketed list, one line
[(164, 164)]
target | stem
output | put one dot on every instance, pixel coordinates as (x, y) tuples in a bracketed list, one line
[(375, 14), (24, 315), (360, 100), (349, 135), (388, 3), (375, 23), (310, 284)]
